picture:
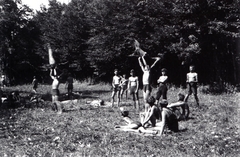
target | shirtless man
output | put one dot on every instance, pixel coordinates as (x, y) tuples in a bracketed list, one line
[(133, 86), (116, 87), (192, 80)]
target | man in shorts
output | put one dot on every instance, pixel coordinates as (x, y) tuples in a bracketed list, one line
[(192, 80), (116, 87), (133, 86)]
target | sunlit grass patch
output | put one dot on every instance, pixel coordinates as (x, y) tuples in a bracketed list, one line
[(211, 130)]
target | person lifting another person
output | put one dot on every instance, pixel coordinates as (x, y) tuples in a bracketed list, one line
[(146, 78)]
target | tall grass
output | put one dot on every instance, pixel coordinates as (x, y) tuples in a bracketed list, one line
[(212, 129)]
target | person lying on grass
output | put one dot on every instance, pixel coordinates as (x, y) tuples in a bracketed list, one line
[(171, 114), (132, 125)]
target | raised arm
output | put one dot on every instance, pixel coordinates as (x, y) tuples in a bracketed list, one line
[(157, 59), (140, 63), (144, 61)]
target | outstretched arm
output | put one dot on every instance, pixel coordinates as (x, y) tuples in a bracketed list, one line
[(155, 62), (179, 103), (140, 63)]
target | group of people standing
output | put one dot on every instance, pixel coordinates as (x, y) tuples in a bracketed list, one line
[(122, 85), (154, 108)]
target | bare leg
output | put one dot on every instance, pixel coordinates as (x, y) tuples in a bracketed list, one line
[(196, 98), (118, 97), (50, 55), (186, 98), (146, 95), (143, 130), (163, 122), (113, 94), (134, 100)]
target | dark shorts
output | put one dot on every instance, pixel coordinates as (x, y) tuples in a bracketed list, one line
[(192, 88), (55, 92), (70, 86), (117, 88), (147, 87), (132, 90), (124, 87), (162, 91)]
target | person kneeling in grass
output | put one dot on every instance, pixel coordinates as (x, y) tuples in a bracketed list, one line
[(171, 115), (132, 125)]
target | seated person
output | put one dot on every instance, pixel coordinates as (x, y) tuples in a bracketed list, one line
[(152, 115), (171, 114), (133, 125)]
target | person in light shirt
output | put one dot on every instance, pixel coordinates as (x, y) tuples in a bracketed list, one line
[(133, 86), (116, 87), (162, 88), (192, 80), (146, 79)]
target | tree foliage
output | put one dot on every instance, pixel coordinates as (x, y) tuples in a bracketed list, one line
[(100, 33)]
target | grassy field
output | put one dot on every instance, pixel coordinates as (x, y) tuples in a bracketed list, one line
[(84, 130)]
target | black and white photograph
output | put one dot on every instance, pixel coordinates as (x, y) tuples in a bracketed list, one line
[(119, 78)]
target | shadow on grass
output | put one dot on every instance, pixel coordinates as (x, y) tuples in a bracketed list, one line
[(183, 130)]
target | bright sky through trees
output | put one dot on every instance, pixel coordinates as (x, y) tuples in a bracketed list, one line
[(35, 4)]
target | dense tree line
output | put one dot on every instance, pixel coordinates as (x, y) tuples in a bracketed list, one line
[(99, 34)]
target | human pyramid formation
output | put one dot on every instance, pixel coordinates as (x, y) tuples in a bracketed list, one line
[(154, 109)]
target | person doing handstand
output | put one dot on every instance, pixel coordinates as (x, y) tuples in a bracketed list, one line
[(55, 90), (146, 79)]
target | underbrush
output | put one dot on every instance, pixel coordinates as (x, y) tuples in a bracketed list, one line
[(211, 130)]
